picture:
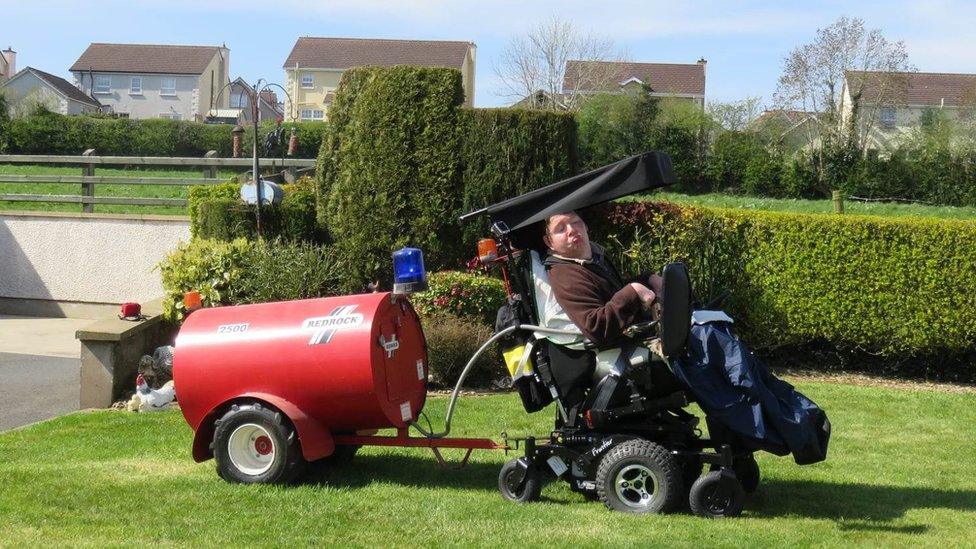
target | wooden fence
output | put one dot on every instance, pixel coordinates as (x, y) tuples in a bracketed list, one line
[(89, 181)]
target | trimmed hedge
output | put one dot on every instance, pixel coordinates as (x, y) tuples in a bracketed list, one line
[(52, 133), (508, 152), (391, 167), (241, 271), (203, 193), (887, 286), (220, 215)]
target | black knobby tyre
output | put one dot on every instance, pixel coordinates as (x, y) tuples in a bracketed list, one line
[(254, 444), (639, 476), (525, 491), (716, 494), (747, 471), (342, 456)]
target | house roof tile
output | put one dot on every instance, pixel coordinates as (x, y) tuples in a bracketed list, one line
[(64, 87), (344, 53), (145, 58), (674, 78), (916, 88)]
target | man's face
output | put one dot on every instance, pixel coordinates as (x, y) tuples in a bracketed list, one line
[(566, 235)]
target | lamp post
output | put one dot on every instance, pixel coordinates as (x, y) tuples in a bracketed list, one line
[(254, 95), (259, 188)]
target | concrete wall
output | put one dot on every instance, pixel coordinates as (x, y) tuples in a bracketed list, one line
[(92, 258)]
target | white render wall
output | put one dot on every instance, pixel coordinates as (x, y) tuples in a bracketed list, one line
[(150, 103), (89, 258)]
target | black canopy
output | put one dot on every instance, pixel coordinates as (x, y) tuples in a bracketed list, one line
[(642, 172)]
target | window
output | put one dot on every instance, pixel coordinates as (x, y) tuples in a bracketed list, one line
[(102, 83), (307, 81), (888, 117), (312, 114), (170, 115), (238, 100), (167, 86), (135, 85)]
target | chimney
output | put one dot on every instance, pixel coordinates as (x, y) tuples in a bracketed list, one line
[(9, 67)]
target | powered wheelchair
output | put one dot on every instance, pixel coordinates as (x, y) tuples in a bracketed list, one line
[(621, 432)]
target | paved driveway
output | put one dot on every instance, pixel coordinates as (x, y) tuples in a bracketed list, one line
[(39, 368)]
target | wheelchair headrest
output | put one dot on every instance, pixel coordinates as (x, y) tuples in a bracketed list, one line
[(675, 309)]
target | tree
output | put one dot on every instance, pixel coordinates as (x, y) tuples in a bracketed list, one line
[(536, 64), (735, 115), (813, 80)]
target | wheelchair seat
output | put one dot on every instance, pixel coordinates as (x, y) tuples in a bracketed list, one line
[(587, 379)]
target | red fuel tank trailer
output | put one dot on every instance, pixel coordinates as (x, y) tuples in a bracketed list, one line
[(333, 366)]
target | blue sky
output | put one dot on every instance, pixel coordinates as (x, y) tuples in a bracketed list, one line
[(744, 42)]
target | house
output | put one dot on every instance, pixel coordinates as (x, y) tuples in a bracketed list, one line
[(240, 99), (315, 65), (8, 63), (37, 87), (662, 79), (893, 103), (155, 81), (789, 129)]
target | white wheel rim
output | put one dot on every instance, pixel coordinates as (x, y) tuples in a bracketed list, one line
[(251, 449), (635, 486)]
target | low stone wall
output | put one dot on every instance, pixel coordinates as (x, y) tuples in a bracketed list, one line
[(69, 259), (110, 353)]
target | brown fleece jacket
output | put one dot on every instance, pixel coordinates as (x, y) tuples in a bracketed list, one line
[(600, 308)]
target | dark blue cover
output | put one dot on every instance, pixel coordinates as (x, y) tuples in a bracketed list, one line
[(737, 390)]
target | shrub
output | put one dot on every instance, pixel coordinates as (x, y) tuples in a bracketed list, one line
[(393, 170), (203, 193), (610, 128), (891, 286), (763, 173), (508, 152), (45, 132), (224, 218), (469, 295), (4, 122), (451, 342), (730, 156), (241, 271)]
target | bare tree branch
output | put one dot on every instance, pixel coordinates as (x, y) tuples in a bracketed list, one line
[(540, 62)]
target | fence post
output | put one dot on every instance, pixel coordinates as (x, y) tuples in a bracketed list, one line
[(88, 188), (838, 202), (210, 171)]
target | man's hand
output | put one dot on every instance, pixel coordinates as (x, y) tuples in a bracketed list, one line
[(645, 294)]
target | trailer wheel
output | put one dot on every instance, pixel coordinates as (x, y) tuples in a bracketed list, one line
[(717, 494), (254, 444), (516, 486), (639, 476)]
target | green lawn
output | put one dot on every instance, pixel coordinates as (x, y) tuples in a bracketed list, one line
[(900, 473), (886, 209), (128, 191)]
